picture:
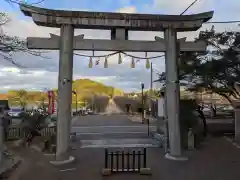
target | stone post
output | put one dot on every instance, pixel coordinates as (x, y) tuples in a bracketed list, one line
[(236, 105), (2, 136), (64, 92), (172, 94)]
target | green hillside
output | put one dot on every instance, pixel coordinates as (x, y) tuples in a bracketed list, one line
[(84, 88)]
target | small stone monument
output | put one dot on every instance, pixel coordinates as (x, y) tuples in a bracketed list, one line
[(1, 135), (191, 139)]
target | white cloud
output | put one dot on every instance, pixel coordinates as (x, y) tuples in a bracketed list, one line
[(180, 5), (129, 9)]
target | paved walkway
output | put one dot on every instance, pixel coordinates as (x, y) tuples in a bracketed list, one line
[(218, 159), (111, 131)]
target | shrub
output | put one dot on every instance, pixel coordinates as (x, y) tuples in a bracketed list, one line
[(189, 118)]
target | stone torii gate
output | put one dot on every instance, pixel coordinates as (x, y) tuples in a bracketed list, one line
[(119, 24)]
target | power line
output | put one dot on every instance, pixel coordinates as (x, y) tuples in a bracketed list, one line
[(211, 22), (189, 7), (222, 22)]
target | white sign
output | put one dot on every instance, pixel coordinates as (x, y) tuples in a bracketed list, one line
[(161, 111)]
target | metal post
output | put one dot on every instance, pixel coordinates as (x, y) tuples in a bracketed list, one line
[(142, 86), (117, 160), (133, 160), (148, 127), (139, 160), (106, 158), (151, 89), (123, 162), (76, 104), (128, 161), (64, 91), (144, 158), (172, 92), (111, 161)]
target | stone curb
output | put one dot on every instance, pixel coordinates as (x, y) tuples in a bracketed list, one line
[(145, 171)]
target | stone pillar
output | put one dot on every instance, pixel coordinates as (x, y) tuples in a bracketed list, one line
[(172, 93), (64, 92), (236, 105)]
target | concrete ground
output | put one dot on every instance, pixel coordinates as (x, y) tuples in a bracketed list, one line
[(103, 120), (216, 159)]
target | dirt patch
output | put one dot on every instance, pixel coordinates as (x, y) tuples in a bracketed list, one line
[(34, 166)]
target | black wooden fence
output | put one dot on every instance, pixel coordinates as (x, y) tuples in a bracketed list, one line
[(16, 132), (121, 161)]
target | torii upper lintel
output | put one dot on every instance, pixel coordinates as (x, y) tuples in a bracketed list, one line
[(106, 20)]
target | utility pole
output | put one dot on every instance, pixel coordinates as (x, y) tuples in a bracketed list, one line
[(76, 100), (151, 88), (142, 87), (93, 103)]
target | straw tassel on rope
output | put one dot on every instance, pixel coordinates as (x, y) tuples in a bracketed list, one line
[(133, 63), (106, 62), (90, 62), (119, 58), (147, 61)]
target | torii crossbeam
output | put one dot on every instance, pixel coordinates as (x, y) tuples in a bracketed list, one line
[(79, 43), (119, 24)]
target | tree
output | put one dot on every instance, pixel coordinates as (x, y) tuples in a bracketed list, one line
[(22, 96), (12, 97), (12, 44), (216, 70), (43, 98)]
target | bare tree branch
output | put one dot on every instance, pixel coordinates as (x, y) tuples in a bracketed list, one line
[(21, 2), (12, 44)]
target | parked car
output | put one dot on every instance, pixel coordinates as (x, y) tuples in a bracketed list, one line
[(51, 120), (15, 112), (90, 111)]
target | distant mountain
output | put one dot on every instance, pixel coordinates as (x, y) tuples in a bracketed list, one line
[(87, 87), (84, 88)]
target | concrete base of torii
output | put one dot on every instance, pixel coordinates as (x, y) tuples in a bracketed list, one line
[(176, 158), (67, 161)]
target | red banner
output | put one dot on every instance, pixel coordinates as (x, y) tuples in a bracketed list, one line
[(51, 101)]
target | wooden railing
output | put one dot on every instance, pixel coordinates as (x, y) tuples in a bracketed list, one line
[(16, 132), (130, 161)]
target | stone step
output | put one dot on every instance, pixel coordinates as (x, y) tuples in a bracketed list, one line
[(118, 143)]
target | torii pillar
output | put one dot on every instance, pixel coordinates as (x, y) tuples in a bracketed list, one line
[(119, 24), (172, 94), (64, 110)]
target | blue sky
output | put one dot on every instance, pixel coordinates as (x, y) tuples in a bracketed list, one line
[(42, 73)]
